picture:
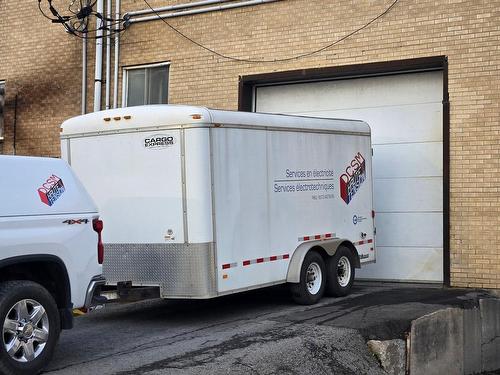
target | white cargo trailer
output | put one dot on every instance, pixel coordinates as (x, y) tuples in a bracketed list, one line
[(203, 203)]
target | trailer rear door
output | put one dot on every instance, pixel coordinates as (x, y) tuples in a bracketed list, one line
[(150, 197)]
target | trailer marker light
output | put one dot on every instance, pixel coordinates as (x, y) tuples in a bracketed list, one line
[(196, 116), (117, 118), (224, 276), (127, 117), (107, 118), (373, 214)]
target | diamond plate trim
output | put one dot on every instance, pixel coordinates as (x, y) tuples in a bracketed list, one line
[(181, 270)]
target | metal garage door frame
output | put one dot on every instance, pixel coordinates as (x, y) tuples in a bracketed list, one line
[(248, 83)]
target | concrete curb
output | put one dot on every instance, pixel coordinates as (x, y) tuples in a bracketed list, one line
[(437, 343), (447, 341)]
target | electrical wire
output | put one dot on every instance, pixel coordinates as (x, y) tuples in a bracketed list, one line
[(77, 23), (296, 57), (41, 10)]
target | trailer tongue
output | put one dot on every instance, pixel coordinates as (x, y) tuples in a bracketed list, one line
[(203, 203)]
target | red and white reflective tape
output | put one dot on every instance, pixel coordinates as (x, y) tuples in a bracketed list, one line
[(229, 265), (317, 237), (364, 242), (264, 260)]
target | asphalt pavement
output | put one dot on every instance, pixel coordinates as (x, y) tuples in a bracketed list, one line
[(258, 332)]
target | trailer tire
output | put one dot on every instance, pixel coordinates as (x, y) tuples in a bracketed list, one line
[(340, 272), (33, 309), (311, 287)]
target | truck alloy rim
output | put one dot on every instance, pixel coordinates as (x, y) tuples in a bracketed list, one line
[(25, 330), (344, 271), (313, 278)]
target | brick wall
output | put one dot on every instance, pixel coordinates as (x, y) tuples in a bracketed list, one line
[(42, 65)]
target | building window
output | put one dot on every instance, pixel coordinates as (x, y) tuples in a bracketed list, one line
[(146, 84)]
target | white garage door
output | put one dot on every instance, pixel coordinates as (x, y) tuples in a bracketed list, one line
[(405, 114)]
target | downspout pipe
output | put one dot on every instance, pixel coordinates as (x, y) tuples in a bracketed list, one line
[(14, 140), (197, 11), (84, 74), (98, 58), (117, 54), (175, 7), (108, 54)]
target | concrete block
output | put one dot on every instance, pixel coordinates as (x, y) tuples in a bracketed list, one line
[(436, 343), (391, 355), (495, 292), (472, 341), (490, 345)]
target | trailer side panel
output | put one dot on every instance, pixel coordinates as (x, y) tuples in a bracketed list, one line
[(277, 189)]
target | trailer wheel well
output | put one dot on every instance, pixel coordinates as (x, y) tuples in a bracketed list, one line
[(321, 251), (326, 249)]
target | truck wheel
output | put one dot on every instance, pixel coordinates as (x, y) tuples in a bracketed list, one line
[(30, 327), (311, 287), (340, 273)]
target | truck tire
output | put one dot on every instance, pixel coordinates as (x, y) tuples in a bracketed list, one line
[(30, 327), (311, 287), (340, 273)]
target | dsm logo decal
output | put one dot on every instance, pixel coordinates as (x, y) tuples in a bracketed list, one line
[(51, 190), (353, 178), (158, 141)]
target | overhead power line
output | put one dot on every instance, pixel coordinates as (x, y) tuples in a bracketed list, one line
[(296, 57), (77, 18)]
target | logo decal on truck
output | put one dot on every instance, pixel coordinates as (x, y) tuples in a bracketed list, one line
[(51, 190), (354, 176), (159, 141)]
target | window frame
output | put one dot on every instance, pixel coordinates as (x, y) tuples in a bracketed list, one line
[(126, 69)]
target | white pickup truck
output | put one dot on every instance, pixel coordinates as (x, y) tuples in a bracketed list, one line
[(50, 258)]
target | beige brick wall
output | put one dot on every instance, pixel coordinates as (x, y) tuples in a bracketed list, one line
[(42, 64)]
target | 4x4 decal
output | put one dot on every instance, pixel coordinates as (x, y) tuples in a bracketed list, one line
[(77, 221)]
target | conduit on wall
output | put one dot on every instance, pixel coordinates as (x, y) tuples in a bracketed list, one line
[(131, 17)]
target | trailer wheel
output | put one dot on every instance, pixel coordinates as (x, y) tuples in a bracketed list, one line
[(311, 287), (30, 327), (340, 273)]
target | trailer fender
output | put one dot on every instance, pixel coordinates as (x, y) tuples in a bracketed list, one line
[(325, 247)]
